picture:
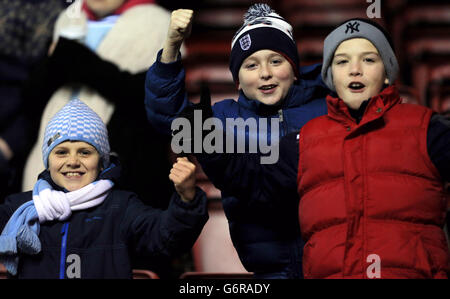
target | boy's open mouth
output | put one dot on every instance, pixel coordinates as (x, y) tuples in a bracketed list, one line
[(73, 174), (267, 87), (356, 86)]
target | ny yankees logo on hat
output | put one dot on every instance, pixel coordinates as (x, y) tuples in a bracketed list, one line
[(352, 26)]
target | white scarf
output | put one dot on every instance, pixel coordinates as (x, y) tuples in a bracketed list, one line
[(58, 205), (22, 230)]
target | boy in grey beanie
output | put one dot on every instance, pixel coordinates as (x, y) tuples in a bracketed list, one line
[(359, 28)]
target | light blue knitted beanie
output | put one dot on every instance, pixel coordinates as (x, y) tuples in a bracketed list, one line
[(76, 122)]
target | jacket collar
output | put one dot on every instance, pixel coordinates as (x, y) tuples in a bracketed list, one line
[(377, 106)]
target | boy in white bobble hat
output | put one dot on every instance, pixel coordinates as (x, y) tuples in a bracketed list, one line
[(76, 224)]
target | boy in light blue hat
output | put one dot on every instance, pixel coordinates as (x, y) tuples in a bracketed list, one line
[(76, 224)]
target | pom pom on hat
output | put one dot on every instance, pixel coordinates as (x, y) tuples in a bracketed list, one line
[(76, 122), (258, 10)]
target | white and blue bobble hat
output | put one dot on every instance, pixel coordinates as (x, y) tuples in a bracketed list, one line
[(76, 122)]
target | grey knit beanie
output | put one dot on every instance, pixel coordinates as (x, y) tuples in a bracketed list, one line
[(359, 28)]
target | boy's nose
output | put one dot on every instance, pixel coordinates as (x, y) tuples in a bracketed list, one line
[(265, 72), (355, 69), (73, 161)]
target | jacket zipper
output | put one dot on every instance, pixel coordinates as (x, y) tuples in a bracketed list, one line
[(282, 127), (62, 264)]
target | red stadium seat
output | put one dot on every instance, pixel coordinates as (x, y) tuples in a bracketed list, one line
[(213, 251), (323, 4), (438, 89), (144, 274), (310, 50), (221, 17), (409, 95), (204, 183), (216, 76), (326, 19), (215, 50), (3, 273), (421, 33)]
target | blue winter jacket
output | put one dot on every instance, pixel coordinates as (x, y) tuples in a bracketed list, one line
[(267, 240), (107, 237)]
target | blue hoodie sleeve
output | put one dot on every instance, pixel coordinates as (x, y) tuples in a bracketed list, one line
[(165, 94)]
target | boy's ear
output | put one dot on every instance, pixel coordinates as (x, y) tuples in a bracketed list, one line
[(386, 81)]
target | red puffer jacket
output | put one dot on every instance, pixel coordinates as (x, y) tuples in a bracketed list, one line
[(372, 203)]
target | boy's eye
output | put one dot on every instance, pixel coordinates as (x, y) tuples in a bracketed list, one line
[(250, 65), (85, 152), (369, 59), (276, 61), (60, 152), (341, 61)]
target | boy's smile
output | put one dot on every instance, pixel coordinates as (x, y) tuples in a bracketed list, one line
[(266, 76), (73, 165)]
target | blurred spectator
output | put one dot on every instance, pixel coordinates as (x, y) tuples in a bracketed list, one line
[(100, 54), (25, 33)]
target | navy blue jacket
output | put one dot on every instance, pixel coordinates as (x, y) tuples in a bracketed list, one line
[(259, 235), (106, 237)]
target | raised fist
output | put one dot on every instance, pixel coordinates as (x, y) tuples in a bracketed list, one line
[(179, 29), (180, 25), (182, 175)]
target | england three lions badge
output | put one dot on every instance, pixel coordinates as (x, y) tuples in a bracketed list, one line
[(245, 42)]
